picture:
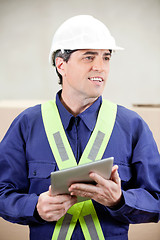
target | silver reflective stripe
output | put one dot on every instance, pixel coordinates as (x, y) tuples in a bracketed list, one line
[(61, 148), (91, 227), (65, 226), (96, 146)]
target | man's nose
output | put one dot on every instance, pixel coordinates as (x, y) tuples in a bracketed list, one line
[(98, 65)]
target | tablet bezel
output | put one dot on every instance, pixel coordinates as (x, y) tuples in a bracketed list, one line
[(62, 179)]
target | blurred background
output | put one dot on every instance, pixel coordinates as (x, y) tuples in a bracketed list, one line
[(27, 28)]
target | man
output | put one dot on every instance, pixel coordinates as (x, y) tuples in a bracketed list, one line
[(81, 52)]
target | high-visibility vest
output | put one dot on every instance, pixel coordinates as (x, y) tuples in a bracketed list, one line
[(61, 149)]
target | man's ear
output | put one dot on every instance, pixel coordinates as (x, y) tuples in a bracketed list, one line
[(60, 65)]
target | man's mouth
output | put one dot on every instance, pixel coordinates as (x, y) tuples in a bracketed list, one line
[(96, 79)]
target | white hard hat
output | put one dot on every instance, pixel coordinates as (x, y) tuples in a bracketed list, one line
[(82, 32)]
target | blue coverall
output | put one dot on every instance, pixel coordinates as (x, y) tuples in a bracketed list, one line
[(26, 162)]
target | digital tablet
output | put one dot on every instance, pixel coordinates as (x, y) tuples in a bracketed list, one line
[(62, 180)]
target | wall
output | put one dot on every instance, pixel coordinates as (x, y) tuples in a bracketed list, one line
[(26, 33)]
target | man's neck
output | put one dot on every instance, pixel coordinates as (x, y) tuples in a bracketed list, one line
[(76, 105)]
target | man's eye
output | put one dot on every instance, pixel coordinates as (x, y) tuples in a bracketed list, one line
[(106, 58), (89, 58)]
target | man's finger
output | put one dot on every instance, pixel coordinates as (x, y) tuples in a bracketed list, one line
[(115, 176), (97, 178), (50, 191)]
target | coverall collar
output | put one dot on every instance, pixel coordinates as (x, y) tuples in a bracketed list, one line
[(89, 116)]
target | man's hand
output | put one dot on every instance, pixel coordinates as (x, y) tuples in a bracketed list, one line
[(53, 207), (106, 192)]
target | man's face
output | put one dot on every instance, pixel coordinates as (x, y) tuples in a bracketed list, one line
[(86, 73)]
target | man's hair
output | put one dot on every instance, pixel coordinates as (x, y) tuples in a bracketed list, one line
[(65, 56)]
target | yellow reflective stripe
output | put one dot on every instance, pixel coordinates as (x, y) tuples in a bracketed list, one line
[(79, 211), (96, 146), (91, 227), (57, 228), (88, 208), (65, 226), (60, 146), (105, 123), (52, 125), (75, 211)]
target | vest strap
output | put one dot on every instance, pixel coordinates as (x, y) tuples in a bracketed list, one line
[(61, 149)]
